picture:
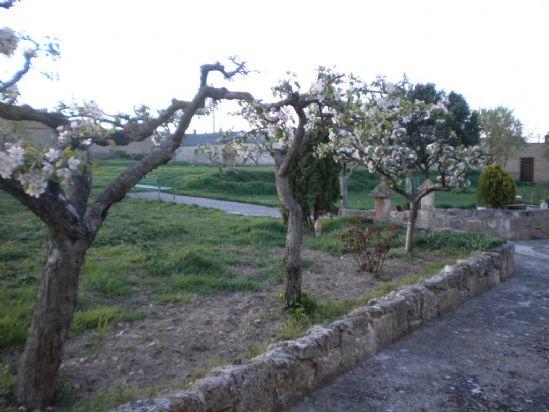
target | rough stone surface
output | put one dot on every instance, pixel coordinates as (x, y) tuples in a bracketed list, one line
[(506, 224), (428, 202), (291, 369), (491, 354), (383, 207)]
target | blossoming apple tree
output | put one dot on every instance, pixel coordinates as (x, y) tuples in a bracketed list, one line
[(286, 125), (372, 132), (55, 185)]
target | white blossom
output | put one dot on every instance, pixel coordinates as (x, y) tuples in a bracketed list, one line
[(63, 174), (74, 163), (52, 155), (34, 183)]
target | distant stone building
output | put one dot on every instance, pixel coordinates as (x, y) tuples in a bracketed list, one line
[(186, 153), (530, 163)]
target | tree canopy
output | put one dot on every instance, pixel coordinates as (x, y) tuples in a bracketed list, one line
[(501, 133), (458, 126)]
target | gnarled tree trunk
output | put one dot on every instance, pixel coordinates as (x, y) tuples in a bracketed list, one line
[(414, 206), (51, 321), (294, 235)]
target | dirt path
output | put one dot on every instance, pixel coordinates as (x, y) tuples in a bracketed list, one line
[(490, 354), (224, 205)]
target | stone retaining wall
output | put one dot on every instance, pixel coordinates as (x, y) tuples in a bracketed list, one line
[(506, 224), (291, 369)]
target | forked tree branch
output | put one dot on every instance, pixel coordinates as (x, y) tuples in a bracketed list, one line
[(123, 184)]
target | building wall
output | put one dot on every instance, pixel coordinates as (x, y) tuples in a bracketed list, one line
[(540, 153)]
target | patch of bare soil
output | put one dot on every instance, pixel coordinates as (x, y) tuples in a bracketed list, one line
[(178, 343)]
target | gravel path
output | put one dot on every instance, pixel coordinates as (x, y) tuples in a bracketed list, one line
[(226, 206), (492, 353)]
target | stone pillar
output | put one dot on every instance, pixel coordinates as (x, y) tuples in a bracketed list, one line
[(383, 207), (382, 195), (428, 202)]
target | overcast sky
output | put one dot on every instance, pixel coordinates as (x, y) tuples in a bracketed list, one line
[(127, 52)]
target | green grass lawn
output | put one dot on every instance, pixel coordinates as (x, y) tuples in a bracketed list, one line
[(153, 248), (149, 251), (164, 249), (253, 184)]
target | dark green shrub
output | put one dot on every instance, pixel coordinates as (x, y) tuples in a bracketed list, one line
[(314, 181), (496, 187)]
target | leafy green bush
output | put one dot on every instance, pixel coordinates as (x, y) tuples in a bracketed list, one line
[(467, 242), (121, 154), (496, 187)]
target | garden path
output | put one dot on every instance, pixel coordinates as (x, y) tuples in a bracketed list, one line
[(236, 208), (492, 353)]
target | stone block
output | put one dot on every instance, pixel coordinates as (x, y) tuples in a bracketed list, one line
[(327, 366), (473, 225), (316, 342), (358, 340)]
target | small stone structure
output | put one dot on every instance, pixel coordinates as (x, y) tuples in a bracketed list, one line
[(506, 224), (428, 202), (382, 195), (291, 369)]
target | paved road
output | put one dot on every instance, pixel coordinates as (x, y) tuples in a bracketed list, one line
[(226, 206), (490, 354)]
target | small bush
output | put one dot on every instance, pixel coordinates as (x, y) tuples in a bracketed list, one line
[(496, 187), (369, 246)]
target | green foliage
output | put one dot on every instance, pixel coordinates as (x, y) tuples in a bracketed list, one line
[(256, 184), (496, 187), (110, 398), (171, 251), (7, 380), (502, 133), (315, 181), (461, 127), (465, 241), (122, 154), (102, 319)]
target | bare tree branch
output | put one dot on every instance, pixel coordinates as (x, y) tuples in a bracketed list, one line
[(7, 3), (20, 73), (26, 112), (206, 69), (123, 184)]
